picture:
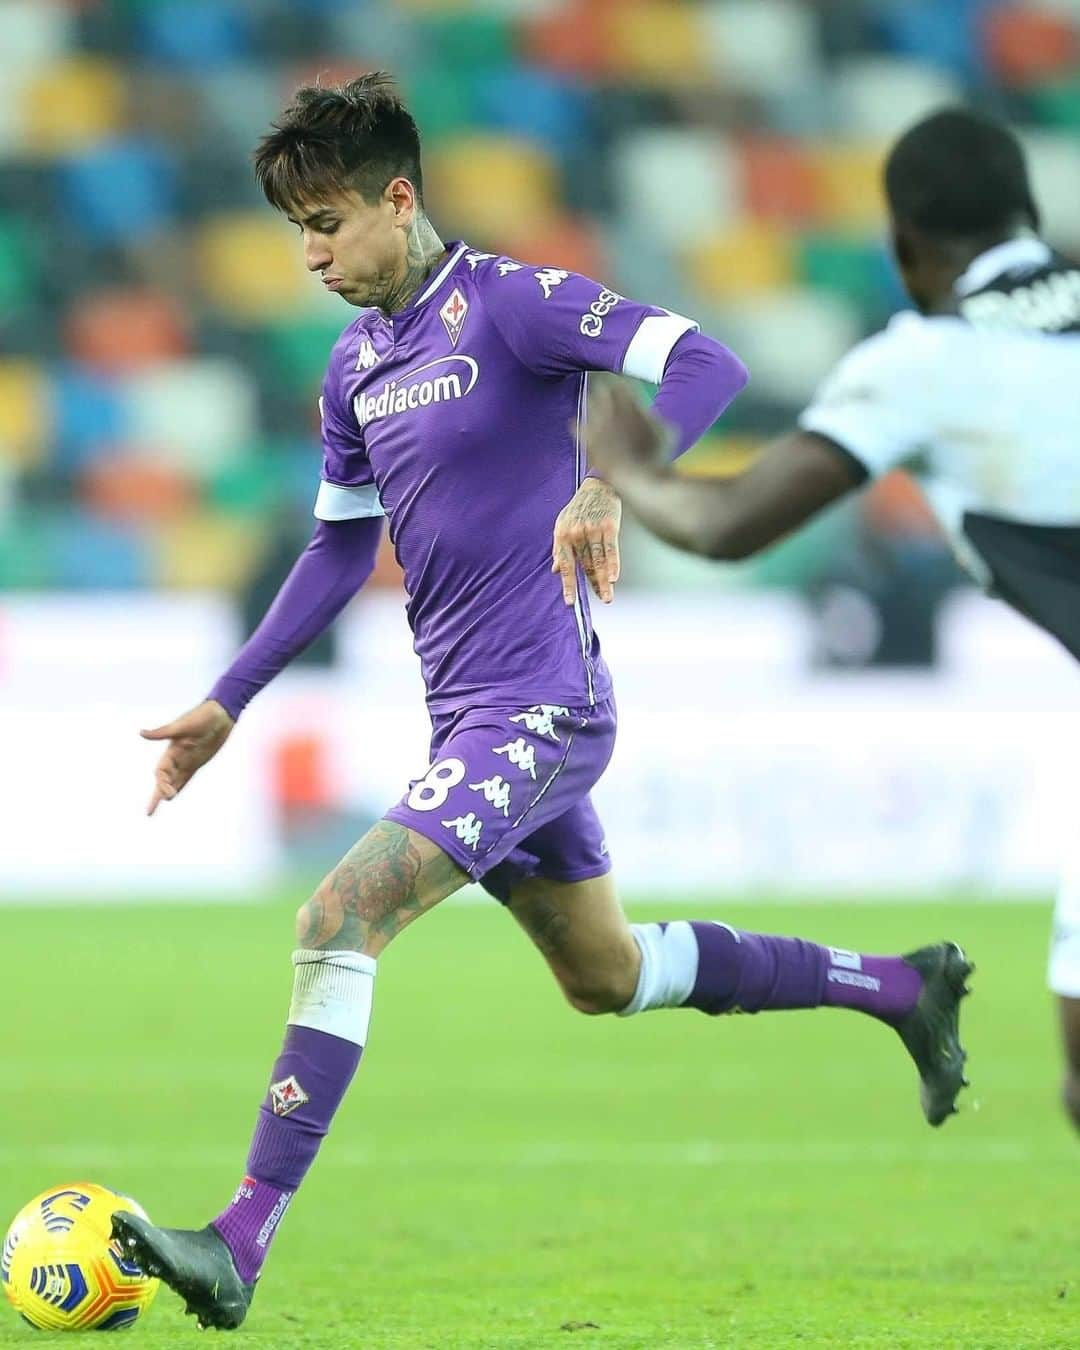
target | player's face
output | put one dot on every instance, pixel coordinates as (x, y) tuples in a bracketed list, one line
[(359, 249)]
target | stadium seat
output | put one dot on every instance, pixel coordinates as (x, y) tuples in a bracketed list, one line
[(561, 241), (941, 35), (24, 413), (19, 263), (298, 348), (91, 554), (194, 34), (533, 104), (677, 183), (87, 414), (1057, 104), (777, 180), (745, 259), (117, 331), (441, 107), (490, 186), (466, 40), (761, 46), (34, 33), (1054, 164), (851, 266), (848, 178), (655, 43), (26, 554), (128, 487), (572, 38), (250, 266), (118, 190), (1026, 45), (205, 550), (881, 96), (73, 104), (197, 414), (817, 328), (237, 104)]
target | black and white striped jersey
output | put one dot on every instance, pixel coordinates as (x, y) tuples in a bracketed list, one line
[(982, 406)]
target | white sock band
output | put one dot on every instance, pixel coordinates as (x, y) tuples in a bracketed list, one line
[(332, 992), (669, 964)]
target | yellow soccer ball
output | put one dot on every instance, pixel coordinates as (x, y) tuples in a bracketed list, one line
[(61, 1269)]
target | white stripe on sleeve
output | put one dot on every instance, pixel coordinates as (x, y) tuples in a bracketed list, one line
[(347, 503), (651, 345)]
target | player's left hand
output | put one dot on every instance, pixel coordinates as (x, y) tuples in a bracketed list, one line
[(622, 437), (587, 532)]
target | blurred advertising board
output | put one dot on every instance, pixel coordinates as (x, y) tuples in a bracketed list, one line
[(740, 767)]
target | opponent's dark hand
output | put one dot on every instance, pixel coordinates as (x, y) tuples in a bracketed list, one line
[(194, 738), (622, 437), (587, 532)]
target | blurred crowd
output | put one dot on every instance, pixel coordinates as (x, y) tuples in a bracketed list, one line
[(161, 346)]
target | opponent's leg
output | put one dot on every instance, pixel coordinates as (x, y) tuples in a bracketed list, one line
[(1070, 1036), (387, 880), (604, 964)]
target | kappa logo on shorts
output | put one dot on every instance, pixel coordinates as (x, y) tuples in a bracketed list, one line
[(540, 719), (496, 790), (467, 828), (521, 753), (287, 1095)]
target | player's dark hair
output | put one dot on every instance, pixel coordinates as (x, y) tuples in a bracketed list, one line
[(357, 136), (959, 174)]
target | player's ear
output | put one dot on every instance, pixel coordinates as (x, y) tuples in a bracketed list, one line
[(402, 196)]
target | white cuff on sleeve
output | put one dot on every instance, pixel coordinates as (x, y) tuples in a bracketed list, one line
[(347, 503), (651, 345)]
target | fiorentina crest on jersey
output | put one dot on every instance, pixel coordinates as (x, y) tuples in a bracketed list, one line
[(287, 1095), (453, 314)]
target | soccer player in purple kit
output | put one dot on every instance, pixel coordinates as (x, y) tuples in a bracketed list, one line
[(453, 405)]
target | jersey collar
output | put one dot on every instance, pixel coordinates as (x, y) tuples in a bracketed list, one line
[(1014, 254)]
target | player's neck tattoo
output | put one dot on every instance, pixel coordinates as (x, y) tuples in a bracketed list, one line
[(425, 252)]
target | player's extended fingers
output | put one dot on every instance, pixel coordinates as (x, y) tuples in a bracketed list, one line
[(155, 798), (598, 571), (565, 564), (162, 733), (611, 552)]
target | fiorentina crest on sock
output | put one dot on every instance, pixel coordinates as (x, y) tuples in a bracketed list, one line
[(287, 1095)]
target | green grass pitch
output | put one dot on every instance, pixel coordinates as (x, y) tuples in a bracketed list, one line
[(508, 1173)]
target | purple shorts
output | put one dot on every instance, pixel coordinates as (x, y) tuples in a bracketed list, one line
[(507, 794)]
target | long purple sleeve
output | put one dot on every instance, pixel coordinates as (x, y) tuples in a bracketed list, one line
[(700, 379), (328, 573)]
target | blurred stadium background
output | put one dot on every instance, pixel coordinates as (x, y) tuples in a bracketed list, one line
[(842, 713)]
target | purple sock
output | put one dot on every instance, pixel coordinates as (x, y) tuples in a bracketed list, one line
[(752, 972), (309, 1080)]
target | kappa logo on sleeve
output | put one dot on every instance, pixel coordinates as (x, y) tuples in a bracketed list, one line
[(549, 278), (453, 315)]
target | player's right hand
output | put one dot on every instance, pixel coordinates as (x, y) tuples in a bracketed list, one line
[(194, 739)]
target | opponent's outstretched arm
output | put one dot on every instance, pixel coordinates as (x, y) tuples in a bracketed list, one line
[(333, 567), (718, 517)]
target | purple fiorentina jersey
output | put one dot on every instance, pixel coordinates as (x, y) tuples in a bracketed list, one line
[(456, 418)]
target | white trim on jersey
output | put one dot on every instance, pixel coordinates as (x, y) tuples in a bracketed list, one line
[(583, 637), (1026, 251), (335, 502), (651, 345), (443, 273)]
